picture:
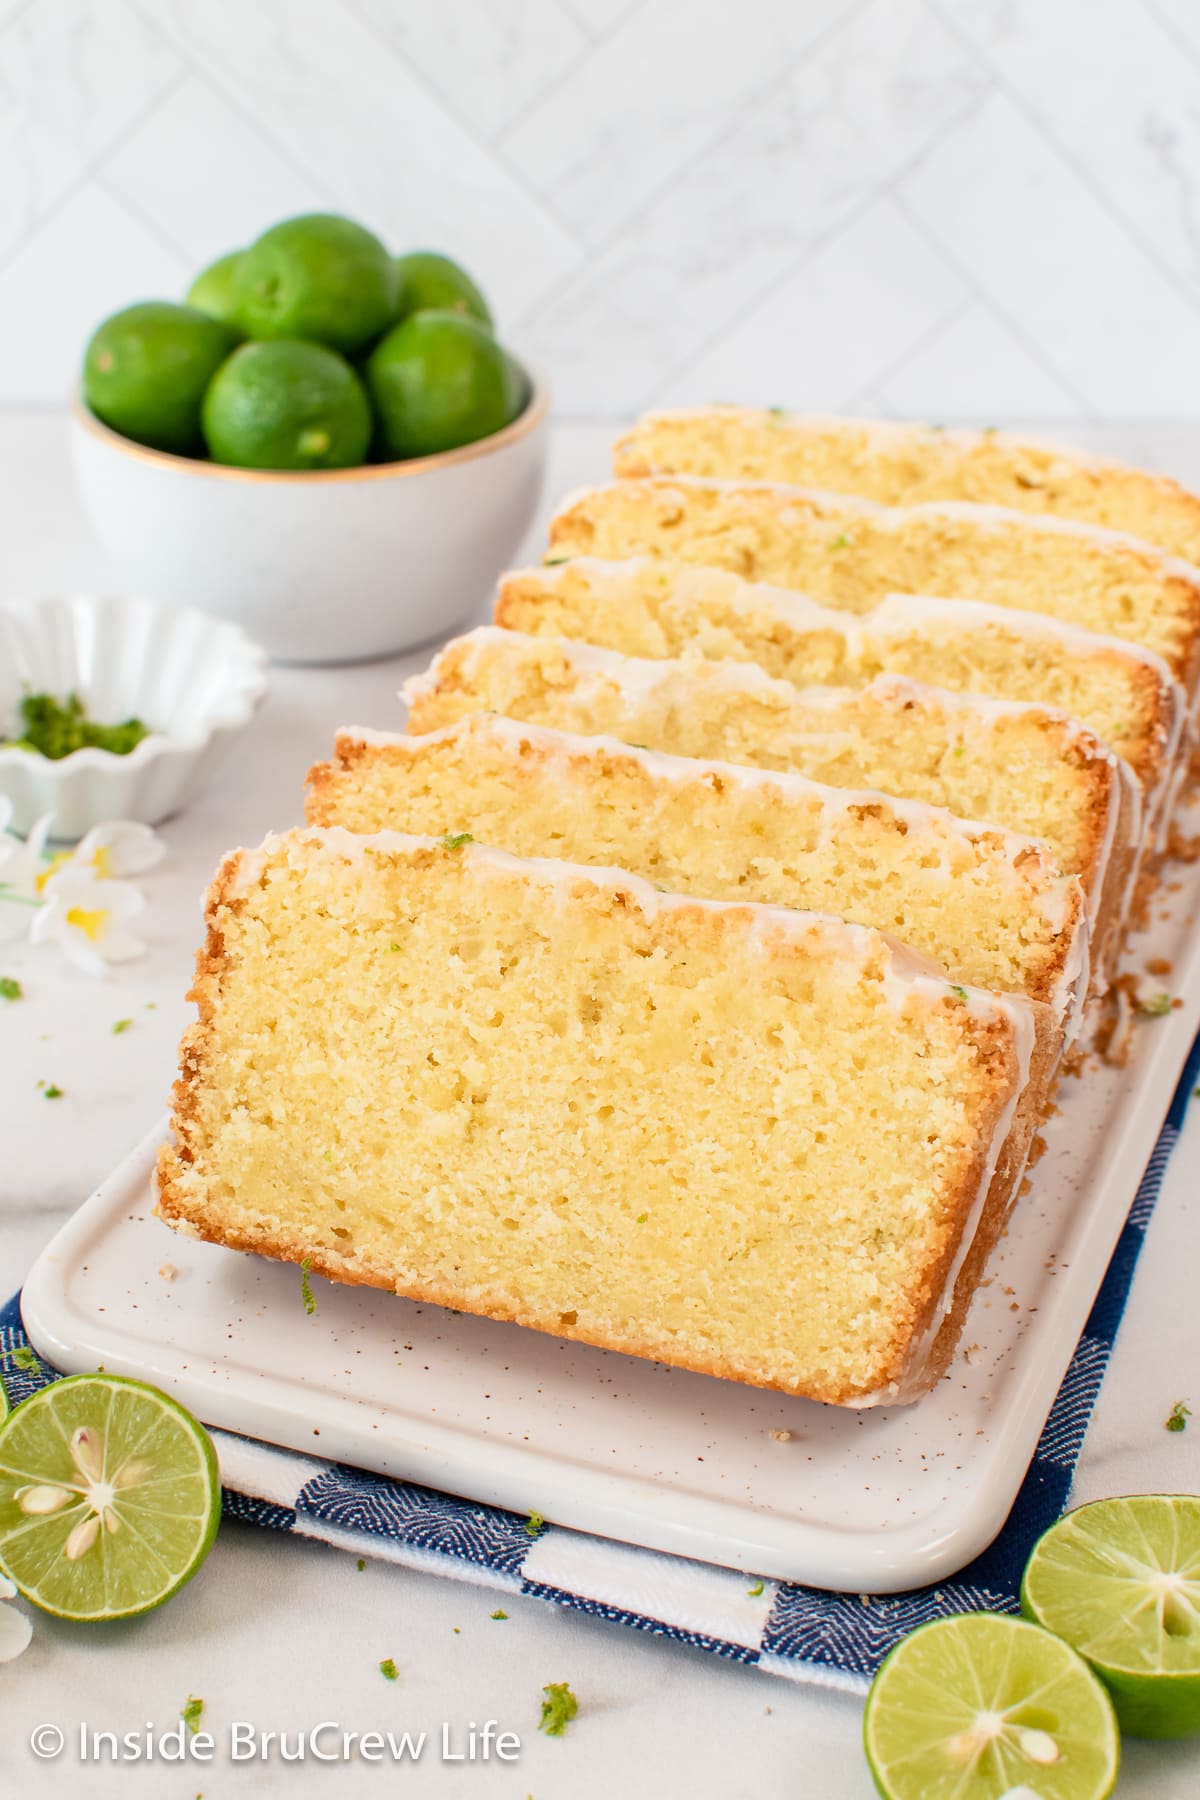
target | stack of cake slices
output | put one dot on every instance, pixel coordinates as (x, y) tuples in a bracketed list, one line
[(691, 977)]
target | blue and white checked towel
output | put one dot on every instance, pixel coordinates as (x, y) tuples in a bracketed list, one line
[(837, 1640)]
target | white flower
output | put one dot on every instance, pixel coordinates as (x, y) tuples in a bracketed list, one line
[(117, 849), (15, 1627), (84, 916), (22, 876)]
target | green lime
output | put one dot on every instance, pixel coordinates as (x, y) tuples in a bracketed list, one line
[(439, 380), (985, 1707), (321, 277), (146, 369), (433, 283), (213, 291), (287, 406), (110, 1497), (1120, 1581)]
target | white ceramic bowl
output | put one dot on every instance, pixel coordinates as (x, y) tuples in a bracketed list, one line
[(194, 680), (333, 566)]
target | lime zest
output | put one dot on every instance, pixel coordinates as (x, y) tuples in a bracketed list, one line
[(192, 1713), (1177, 1418), (454, 840), (121, 1025), (306, 1293), (558, 1708), (388, 1669), (499, 1613), (755, 1591), (10, 988), (534, 1523)]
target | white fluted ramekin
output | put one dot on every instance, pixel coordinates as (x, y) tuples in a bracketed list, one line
[(194, 680)]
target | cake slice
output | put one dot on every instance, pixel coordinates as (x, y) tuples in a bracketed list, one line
[(758, 1143), (1025, 768), (988, 905), (1126, 694), (902, 465), (851, 554)]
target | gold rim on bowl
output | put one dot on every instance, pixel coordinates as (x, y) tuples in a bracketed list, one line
[(522, 425)]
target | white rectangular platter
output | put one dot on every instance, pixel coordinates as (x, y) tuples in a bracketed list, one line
[(871, 1501)]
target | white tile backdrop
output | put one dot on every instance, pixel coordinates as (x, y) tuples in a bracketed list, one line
[(947, 208)]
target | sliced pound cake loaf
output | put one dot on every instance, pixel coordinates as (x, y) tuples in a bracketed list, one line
[(1024, 768), (902, 465), (851, 554), (645, 607), (990, 906), (754, 1142)]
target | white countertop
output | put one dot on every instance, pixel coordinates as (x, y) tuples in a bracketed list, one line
[(285, 1633)]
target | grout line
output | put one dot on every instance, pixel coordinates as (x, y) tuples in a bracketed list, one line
[(484, 145), (583, 55), (646, 206), (1026, 339), (929, 335), (872, 197), (151, 226), (202, 69), (1077, 166), (91, 169), (1168, 27)]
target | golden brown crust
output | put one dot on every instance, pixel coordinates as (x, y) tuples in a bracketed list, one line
[(899, 465), (599, 522)]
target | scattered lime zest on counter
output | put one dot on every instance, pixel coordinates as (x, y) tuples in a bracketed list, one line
[(755, 1591), (558, 1708), (534, 1523), (961, 992), (1156, 1007), (306, 1293), (53, 1092), (10, 988), (120, 1025), (1177, 1418), (499, 1613), (21, 1357), (192, 1713), (56, 728), (641, 1218), (360, 1564), (388, 1669), (454, 840)]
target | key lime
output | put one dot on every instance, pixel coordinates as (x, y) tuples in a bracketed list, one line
[(146, 369), (1120, 1580), (213, 290), (433, 283), (109, 1497), (439, 380), (320, 277), (985, 1707), (287, 406)]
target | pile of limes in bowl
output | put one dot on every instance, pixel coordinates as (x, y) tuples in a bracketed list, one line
[(313, 349)]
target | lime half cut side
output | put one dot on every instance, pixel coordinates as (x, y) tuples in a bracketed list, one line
[(110, 1497), (986, 1707), (1120, 1580)]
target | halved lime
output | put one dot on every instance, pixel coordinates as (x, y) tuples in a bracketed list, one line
[(1120, 1580), (985, 1707), (110, 1497)]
